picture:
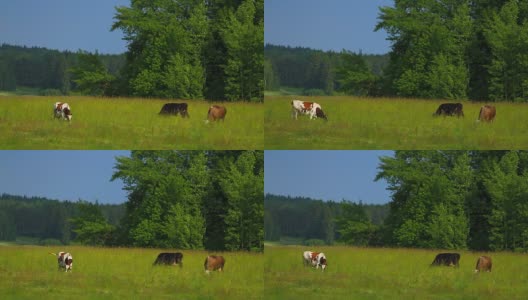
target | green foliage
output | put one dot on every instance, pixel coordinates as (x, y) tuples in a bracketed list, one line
[(91, 75), (184, 199), (305, 219), (354, 76), (91, 226), (48, 72), (44, 219), (314, 70), (190, 49), (430, 39), (456, 199)]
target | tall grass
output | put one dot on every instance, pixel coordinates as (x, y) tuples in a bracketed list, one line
[(120, 273), (381, 123), (104, 123), (363, 273)]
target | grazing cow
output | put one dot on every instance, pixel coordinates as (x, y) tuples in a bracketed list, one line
[(487, 113), (213, 263), (169, 259), (315, 259), (65, 260), (483, 264), (312, 109), (62, 110), (216, 112), (450, 109), (446, 259), (174, 109)]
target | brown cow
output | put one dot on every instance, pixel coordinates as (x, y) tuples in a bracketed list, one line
[(487, 113), (483, 264), (216, 112), (213, 263)]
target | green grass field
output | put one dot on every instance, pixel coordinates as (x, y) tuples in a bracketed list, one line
[(381, 123), (29, 272), (26, 122), (363, 273)]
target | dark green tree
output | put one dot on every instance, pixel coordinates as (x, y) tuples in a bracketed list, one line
[(91, 226), (91, 75)]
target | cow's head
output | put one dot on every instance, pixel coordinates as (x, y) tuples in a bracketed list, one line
[(67, 113), (320, 114), (323, 263)]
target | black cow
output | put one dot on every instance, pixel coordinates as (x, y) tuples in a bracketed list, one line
[(169, 259), (450, 109), (174, 109), (446, 259)]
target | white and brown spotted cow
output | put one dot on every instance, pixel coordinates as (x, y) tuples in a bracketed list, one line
[(312, 109), (213, 263), (62, 110), (65, 260), (315, 259)]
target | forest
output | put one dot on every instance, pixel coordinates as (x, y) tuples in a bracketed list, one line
[(176, 199), (315, 222), (45, 221), (476, 200), (185, 49), (439, 49), (317, 72)]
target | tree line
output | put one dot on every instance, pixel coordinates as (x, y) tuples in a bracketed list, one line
[(176, 199), (440, 49), (48, 221), (317, 72), (316, 222), (49, 71), (185, 49)]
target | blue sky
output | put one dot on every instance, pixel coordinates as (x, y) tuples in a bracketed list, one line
[(326, 24), (62, 175), (326, 175), (62, 24)]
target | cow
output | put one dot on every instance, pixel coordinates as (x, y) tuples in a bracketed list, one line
[(62, 110), (487, 113), (450, 109), (216, 112), (315, 259), (312, 109), (169, 259), (213, 263), (174, 109), (446, 259), (483, 264), (65, 260)]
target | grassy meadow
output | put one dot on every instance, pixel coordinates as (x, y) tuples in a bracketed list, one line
[(29, 272), (363, 273), (26, 122), (399, 124)]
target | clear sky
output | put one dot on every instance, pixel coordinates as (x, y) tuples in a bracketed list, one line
[(326, 175), (326, 24), (62, 24), (62, 175)]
